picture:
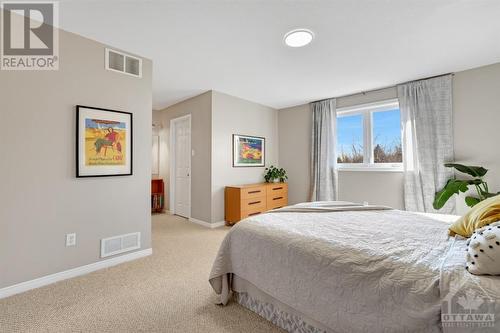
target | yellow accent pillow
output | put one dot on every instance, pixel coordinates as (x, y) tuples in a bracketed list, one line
[(484, 213)]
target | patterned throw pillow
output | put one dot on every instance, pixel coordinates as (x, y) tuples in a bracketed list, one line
[(483, 253)]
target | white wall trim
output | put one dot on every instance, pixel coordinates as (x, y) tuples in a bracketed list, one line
[(383, 105), (71, 273), (208, 224)]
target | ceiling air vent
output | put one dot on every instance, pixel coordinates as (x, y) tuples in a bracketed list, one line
[(119, 244), (124, 63)]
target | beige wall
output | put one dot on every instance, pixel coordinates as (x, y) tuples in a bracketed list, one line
[(294, 155), (476, 119), (232, 115), (294, 129), (375, 187), (200, 109), (41, 200), (476, 113)]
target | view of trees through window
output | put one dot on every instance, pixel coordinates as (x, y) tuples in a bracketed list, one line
[(387, 137), (350, 139), (386, 134)]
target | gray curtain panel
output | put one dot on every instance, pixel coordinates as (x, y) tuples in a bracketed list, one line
[(323, 162), (426, 116)]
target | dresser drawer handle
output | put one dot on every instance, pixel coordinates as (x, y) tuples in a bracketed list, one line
[(252, 192), (278, 198), (277, 188), (254, 203), (252, 214)]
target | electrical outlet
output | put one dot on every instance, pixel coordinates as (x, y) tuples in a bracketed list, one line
[(70, 239)]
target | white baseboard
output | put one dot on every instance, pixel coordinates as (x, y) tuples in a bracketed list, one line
[(71, 273), (218, 224), (207, 224)]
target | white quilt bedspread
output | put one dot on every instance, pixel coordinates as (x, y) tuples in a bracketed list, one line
[(352, 271)]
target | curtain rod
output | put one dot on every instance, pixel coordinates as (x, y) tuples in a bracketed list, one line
[(383, 88)]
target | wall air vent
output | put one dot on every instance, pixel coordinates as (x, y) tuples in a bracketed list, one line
[(119, 244), (124, 63)]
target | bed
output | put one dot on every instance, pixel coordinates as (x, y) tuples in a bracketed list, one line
[(342, 267)]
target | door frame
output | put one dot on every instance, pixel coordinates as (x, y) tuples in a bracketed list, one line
[(173, 139)]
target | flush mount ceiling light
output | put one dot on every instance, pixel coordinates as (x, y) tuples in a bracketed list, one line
[(298, 37)]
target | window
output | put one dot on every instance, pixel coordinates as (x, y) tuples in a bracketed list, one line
[(369, 137)]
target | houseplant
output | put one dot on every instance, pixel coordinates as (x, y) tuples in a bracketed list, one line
[(273, 174), (455, 186)]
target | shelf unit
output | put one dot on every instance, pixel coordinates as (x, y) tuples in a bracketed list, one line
[(157, 195)]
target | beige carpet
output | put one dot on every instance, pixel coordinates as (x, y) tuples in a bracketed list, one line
[(166, 292)]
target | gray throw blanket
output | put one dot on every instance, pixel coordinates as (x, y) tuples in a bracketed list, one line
[(327, 207)]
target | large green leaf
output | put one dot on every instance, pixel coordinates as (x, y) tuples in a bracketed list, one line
[(471, 201), (453, 186), (474, 171)]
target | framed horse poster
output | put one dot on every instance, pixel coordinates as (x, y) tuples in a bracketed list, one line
[(103, 142)]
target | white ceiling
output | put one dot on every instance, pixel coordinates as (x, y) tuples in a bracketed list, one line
[(236, 46)]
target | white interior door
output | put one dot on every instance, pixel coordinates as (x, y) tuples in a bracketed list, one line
[(182, 166)]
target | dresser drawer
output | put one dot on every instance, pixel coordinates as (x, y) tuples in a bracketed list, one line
[(253, 192), (254, 204), (277, 201), (276, 190), (252, 212)]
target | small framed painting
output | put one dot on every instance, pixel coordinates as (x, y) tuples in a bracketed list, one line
[(103, 142), (248, 151)]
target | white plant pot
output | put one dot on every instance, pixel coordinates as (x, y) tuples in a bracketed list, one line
[(276, 180)]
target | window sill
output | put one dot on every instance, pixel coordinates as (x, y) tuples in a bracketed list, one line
[(371, 169)]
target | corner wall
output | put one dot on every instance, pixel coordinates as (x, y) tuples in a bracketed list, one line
[(41, 200), (200, 109), (215, 118), (232, 115)]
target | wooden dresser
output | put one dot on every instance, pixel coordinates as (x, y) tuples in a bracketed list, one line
[(246, 200)]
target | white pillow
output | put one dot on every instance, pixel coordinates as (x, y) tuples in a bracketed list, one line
[(483, 252)]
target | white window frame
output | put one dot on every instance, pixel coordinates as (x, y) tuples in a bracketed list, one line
[(366, 110)]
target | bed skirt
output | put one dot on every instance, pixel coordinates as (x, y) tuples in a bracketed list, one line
[(266, 306)]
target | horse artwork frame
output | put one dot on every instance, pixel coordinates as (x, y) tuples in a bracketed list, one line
[(104, 142)]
